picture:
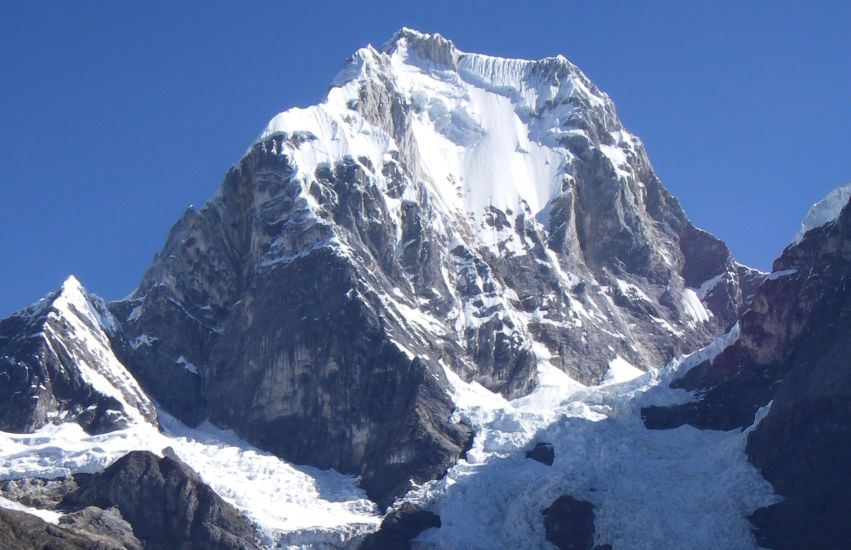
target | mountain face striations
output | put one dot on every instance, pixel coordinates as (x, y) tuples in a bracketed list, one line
[(439, 211), (453, 259), (57, 363)]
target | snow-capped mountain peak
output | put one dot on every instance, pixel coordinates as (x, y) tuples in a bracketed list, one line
[(414, 46), (451, 256), (480, 131), (61, 363)]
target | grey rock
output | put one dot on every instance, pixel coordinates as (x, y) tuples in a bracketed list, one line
[(105, 523), (165, 502), (543, 453), (37, 492), (569, 523), (22, 531), (400, 527)]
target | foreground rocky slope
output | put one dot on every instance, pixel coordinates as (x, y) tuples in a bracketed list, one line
[(140, 501), (23, 531), (166, 503)]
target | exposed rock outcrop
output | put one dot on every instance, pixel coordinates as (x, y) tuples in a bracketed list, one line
[(103, 523), (400, 527), (569, 523), (543, 453), (165, 502), (793, 351), (22, 531)]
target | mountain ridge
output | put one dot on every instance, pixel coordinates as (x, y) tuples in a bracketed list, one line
[(440, 212), (453, 259)]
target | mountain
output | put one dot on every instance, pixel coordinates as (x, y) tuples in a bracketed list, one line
[(57, 364), (793, 355), (458, 282), (439, 211)]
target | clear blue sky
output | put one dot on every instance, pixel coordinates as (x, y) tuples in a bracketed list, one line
[(115, 116)]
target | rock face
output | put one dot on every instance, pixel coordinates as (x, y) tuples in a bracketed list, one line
[(103, 523), (57, 364), (400, 527), (165, 502), (440, 210), (793, 350), (22, 531), (569, 523), (543, 453)]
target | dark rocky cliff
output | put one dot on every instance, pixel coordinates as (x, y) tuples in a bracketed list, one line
[(794, 351)]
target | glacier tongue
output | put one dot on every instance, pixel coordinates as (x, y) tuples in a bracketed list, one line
[(651, 489)]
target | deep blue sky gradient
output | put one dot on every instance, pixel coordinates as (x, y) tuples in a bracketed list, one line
[(115, 116)]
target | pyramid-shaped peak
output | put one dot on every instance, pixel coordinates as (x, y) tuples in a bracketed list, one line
[(72, 284)]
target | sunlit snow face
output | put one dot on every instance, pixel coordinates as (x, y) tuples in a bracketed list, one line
[(485, 132)]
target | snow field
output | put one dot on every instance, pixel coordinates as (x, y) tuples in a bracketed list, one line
[(280, 498), (651, 489)]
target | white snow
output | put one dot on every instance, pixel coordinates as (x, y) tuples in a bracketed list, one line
[(183, 362), (632, 291), (483, 133), (651, 489), (666, 325), (825, 210), (135, 313), (143, 340), (708, 285), (621, 370), (774, 275), (47, 515), (694, 308), (281, 498), (619, 160)]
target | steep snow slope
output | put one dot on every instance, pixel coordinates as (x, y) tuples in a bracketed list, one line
[(503, 156)]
